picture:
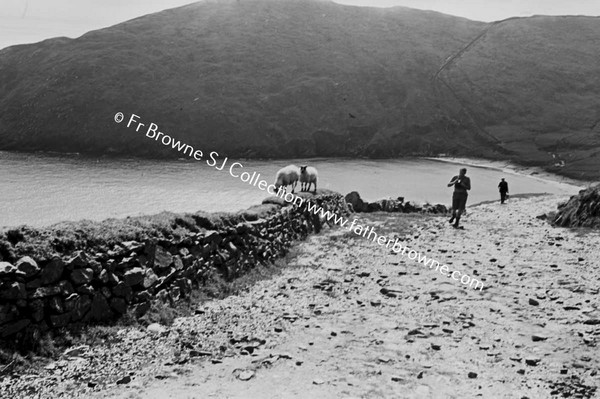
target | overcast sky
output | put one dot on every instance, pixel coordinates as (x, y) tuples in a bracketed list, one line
[(28, 21)]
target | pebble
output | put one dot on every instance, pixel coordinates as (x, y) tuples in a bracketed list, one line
[(156, 328), (197, 353), (245, 375), (533, 302), (592, 322), (124, 380), (531, 361), (78, 351)]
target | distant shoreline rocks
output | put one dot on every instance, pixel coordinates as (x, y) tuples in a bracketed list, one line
[(391, 205)]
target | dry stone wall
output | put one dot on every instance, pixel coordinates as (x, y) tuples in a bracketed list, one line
[(91, 286), (391, 205)]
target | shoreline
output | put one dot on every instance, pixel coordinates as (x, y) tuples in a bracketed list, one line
[(516, 196), (533, 172)]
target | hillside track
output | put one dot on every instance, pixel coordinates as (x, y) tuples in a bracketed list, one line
[(482, 132)]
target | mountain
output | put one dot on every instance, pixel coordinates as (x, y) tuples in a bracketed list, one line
[(305, 78)]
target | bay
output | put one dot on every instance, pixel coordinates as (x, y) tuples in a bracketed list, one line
[(42, 189)]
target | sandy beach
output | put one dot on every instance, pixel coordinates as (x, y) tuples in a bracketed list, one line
[(513, 169)]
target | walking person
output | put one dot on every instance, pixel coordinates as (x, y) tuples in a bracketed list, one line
[(461, 184), (503, 187)]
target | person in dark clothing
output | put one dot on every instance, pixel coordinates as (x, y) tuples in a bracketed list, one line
[(461, 185), (503, 187)]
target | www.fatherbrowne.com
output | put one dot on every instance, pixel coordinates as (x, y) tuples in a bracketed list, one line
[(254, 180)]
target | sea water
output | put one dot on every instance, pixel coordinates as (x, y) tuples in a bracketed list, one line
[(41, 189)]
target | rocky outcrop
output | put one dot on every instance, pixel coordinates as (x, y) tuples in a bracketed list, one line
[(98, 284), (581, 210), (353, 199), (391, 205)]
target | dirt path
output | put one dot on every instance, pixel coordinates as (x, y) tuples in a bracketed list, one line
[(323, 329)]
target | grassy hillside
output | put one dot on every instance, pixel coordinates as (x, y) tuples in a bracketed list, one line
[(253, 78), (275, 78), (533, 84)]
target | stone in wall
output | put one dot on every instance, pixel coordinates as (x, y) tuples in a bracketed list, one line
[(391, 205)]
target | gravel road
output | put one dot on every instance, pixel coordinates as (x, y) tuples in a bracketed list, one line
[(347, 318)]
